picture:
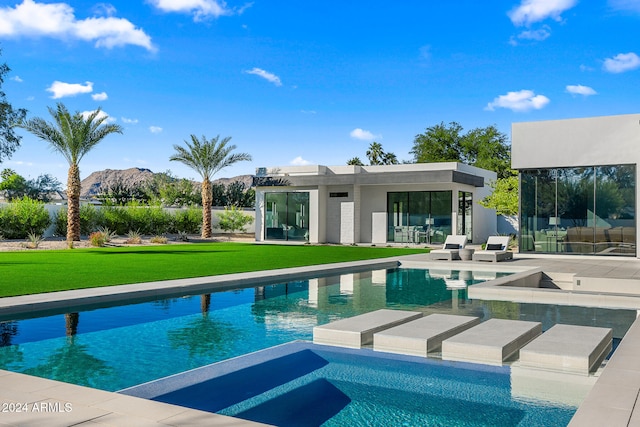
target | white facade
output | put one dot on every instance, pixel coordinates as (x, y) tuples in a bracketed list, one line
[(572, 153), (349, 204)]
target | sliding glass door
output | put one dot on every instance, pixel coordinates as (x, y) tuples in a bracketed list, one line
[(286, 216), (418, 216)]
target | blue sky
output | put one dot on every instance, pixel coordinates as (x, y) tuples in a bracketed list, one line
[(309, 82)]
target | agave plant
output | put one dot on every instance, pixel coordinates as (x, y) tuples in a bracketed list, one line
[(134, 237)]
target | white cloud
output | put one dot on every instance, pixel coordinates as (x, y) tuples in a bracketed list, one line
[(62, 89), (201, 9), (129, 121), (308, 111), (155, 129), (363, 135), (57, 20), (530, 11), (622, 62), (536, 35), (299, 161), (102, 96), (520, 101), (101, 114), (265, 75), (625, 5), (580, 90), (104, 9), (17, 79)]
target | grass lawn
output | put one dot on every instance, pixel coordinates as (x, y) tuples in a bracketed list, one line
[(31, 272)]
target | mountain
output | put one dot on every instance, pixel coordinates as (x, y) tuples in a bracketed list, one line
[(99, 182)]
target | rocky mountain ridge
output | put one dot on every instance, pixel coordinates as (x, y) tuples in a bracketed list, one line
[(98, 182)]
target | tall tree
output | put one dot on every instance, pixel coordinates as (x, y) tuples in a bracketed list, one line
[(73, 136), (485, 148), (375, 153), (9, 118), (207, 157)]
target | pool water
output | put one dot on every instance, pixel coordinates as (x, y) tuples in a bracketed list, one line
[(303, 384), (118, 347)]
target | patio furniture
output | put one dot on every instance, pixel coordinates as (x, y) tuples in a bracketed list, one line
[(495, 250), (450, 249)]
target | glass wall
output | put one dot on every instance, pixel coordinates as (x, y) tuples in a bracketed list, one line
[(286, 216), (586, 210), (418, 216)]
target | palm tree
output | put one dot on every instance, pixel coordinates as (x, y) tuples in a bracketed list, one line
[(73, 136), (375, 153), (207, 157)]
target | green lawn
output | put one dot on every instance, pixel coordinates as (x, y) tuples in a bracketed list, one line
[(30, 272)]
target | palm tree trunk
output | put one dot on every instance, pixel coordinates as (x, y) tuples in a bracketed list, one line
[(206, 207), (73, 204)]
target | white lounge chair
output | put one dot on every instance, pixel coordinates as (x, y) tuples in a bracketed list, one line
[(450, 249), (497, 249)]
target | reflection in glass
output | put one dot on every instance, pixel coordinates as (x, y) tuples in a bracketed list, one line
[(418, 216), (287, 216), (586, 210)]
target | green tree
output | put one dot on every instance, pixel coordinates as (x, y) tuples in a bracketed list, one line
[(207, 157), (504, 197), (9, 118), (485, 148), (375, 154), (13, 185), (233, 219), (73, 136)]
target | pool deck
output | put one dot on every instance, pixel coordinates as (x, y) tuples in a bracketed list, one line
[(611, 402)]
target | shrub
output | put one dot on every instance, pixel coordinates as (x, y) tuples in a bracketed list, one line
[(33, 240), (90, 219), (97, 238), (134, 237), (233, 219), (158, 239), (23, 216), (188, 221), (108, 234)]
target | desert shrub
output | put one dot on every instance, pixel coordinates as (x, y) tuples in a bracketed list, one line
[(233, 219), (188, 221), (158, 239), (23, 216), (33, 240), (90, 219), (108, 234), (97, 238), (134, 237)]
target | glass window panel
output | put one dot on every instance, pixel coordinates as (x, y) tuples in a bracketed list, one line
[(574, 230), (441, 209), (275, 215), (614, 217), (297, 226)]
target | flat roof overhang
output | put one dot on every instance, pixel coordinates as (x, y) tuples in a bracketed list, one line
[(388, 178)]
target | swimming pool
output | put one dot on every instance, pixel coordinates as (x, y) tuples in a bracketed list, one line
[(305, 384), (113, 348)]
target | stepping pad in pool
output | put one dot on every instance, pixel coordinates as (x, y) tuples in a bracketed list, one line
[(568, 348), (491, 342), (357, 331), (422, 336)]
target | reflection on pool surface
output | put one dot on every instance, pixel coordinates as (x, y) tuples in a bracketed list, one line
[(118, 347)]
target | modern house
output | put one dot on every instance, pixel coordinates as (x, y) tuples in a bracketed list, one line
[(408, 203), (578, 185)]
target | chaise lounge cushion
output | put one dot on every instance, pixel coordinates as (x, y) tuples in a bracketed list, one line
[(452, 246), (493, 247)]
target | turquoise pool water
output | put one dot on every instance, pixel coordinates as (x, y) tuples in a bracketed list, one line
[(303, 384), (118, 347)]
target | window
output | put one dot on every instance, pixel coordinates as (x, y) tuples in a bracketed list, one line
[(418, 216), (586, 210), (287, 216)]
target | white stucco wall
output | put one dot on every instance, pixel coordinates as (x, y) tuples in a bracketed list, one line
[(609, 140)]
